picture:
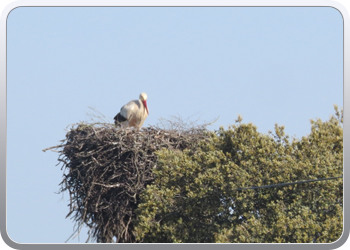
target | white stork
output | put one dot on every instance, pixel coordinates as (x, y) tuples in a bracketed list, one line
[(133, 114)]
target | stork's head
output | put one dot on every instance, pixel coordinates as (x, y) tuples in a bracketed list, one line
[(143, 98)]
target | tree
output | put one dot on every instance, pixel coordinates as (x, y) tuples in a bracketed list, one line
[(182, 183), (196, 194)]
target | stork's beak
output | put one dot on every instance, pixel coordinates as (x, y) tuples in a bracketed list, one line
[(145, 104)]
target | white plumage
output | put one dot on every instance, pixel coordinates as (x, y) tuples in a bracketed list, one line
[(133, 114)]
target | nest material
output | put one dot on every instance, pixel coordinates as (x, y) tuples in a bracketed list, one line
[(107, 168)]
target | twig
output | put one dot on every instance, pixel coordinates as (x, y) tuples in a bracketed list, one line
[(108, 186), (50, 148)]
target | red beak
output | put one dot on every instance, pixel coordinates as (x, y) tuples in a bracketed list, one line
[(145, 104)]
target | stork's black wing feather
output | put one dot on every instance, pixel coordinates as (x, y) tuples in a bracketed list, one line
[(119, 118)]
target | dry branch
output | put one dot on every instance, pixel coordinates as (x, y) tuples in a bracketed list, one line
[(106, 169)]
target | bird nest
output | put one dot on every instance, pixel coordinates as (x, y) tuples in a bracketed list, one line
[(106, 169)]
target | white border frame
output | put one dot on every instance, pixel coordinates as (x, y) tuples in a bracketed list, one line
[(169, 3)]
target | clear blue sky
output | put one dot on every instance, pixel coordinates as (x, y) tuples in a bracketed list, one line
[(270, 65)]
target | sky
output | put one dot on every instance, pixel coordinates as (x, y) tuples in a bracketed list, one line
[(268, 64)]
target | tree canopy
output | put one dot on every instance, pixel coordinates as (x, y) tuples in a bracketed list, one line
[(195, 185), (194, 196)]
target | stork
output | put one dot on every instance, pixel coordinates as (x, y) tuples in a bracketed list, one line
[(133, 114)]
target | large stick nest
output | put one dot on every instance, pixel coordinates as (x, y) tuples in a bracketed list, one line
[(106, 169)]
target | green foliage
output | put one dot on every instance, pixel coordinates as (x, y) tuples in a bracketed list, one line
[(194, 196)]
